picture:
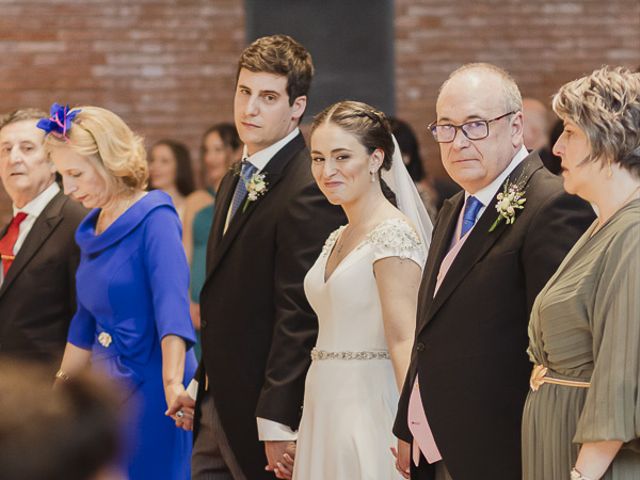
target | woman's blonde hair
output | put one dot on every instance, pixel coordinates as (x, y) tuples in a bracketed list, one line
[(606, 105), (117, 152)]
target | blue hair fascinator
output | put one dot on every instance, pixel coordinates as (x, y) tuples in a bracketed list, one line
[(59, 121)]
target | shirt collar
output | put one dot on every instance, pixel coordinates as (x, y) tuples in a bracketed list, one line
[(486, 194), (38, 204), (261, 158)]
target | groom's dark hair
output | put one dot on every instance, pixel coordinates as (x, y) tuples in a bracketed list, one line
[(280, 55)]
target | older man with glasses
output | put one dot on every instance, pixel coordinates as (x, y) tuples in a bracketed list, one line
[(494, 247)]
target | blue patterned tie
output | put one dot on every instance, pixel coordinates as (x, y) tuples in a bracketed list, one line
[(240, 193), (471, 209)]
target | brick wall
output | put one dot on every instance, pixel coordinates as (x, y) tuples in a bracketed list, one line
[(168, 67), (543, 43)]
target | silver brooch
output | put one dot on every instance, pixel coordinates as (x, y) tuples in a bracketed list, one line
[(104, 339)]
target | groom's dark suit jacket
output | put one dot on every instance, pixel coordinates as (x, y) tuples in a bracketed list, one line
[(37, 297), (257, 327), (471, 339)]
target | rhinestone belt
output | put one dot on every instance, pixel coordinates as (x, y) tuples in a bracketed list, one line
[(325, 355)]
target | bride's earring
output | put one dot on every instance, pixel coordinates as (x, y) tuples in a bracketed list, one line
[(373, 177)]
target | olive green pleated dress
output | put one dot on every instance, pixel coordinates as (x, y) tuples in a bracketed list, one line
[(585, 325)]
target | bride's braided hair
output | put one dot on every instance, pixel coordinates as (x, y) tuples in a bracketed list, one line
[(369, 125)]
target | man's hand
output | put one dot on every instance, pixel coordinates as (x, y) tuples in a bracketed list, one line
[(403, 458), (182, 409), (280, 455)]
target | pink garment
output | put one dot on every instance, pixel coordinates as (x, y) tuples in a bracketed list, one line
[(423, 440)]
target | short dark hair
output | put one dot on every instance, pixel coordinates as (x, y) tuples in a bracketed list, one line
[(185, 182), (71, 432), (280, 55)]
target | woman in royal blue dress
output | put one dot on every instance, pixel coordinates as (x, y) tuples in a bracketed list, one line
[(132, 320)]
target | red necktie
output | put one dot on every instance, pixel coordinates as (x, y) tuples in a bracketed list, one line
[(9, 240)]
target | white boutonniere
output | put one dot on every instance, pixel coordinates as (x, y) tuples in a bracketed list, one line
[(510, 200), (256, 187)]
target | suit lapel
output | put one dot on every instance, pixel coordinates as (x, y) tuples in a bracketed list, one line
[(46, 222), (476, 246), (273, 174)]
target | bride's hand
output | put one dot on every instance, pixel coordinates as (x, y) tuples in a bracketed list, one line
[(403, 458)]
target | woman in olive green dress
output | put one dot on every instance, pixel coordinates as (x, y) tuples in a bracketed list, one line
[(582, 415)]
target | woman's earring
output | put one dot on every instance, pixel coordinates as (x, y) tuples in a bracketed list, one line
[(373, 177)]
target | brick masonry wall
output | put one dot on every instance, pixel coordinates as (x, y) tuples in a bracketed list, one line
[(168, 67), (542, 43)]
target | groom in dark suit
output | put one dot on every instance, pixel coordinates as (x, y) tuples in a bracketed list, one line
[(462, 401), (270, 224), (39, 254)]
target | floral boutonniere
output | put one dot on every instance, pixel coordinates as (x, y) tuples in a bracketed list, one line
[(256, 187), (510, 200)]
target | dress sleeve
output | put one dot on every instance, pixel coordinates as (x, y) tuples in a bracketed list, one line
[(168, 274), (82, 329), (612, 405), (396, 238)]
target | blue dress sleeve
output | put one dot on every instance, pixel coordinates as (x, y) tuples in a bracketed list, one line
[(82, 329), (168, 273)]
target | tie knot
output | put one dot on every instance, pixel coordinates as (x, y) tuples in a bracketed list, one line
[(18, 219), (247, 169), (471, 208)]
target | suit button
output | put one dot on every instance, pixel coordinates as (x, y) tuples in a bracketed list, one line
[(420, 347), (203, 324)]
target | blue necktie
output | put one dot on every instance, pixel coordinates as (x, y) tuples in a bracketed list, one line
[(471, 209), (240, 193)]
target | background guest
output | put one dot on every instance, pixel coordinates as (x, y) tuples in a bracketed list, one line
[(536, 124), (71, 432), (132, 319), (410, 150), (170, 170), (584, 404), (219, 149), (39, 255)]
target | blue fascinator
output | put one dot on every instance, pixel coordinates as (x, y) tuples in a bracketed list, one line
[(59, 121)]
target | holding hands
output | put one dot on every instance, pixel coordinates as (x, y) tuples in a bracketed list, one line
[(280, 455), (181, 406)]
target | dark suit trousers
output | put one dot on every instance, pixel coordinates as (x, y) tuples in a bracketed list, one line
[(424, 471), (212, 457)]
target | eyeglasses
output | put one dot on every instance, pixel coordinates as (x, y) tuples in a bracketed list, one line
[(474, 130)]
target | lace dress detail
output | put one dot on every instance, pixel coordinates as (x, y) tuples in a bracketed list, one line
[(396, 238)]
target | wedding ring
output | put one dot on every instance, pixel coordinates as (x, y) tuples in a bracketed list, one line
[(180, 414)]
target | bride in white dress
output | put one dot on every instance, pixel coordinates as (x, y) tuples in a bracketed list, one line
[(363, 288)]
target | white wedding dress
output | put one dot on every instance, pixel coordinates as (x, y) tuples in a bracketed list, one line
[(350, 403)]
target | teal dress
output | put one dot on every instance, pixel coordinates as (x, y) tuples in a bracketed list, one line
[(201, 227)]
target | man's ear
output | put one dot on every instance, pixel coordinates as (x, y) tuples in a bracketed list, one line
[(298, 107), (517, 129)]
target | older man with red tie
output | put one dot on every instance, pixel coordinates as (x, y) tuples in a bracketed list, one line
[(38, 253)]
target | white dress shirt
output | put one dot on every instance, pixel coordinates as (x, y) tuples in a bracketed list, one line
[(487, 194), (33, 209)]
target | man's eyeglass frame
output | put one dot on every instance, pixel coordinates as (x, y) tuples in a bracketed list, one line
[(432, 128)]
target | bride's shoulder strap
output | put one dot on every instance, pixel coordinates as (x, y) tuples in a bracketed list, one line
[(396, 238)]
